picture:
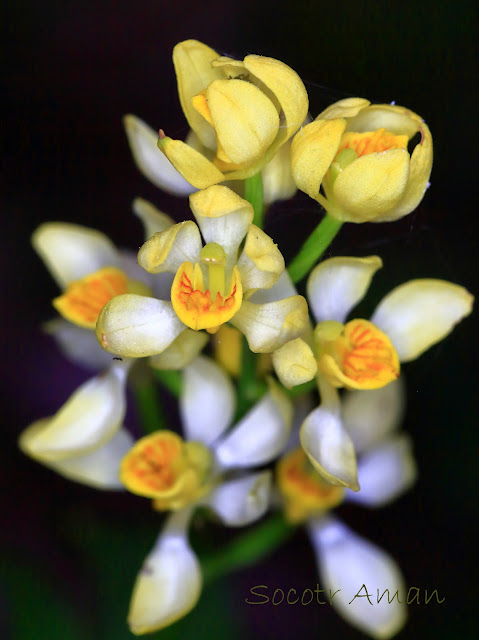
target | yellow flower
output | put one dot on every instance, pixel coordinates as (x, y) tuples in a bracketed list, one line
[(240, 112), (358, 153)]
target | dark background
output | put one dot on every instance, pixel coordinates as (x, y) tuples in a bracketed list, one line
[(72, 69)]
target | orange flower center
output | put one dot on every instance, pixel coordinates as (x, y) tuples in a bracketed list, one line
[(83, 299), (305, 493), (372, 141)]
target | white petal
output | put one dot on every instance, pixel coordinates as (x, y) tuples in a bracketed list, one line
[(268, 326), (420, 313), (282, 288), (347, 562), (261, 262), (77, 344), (100, 468), (169, 583), (152, 163), (261, 435), (385, 473), (182, 351), (241, 501), (329, 447), (167, 250), (336, 285), (91, 416), (223, 217), (71, 252), (137, 326), (371, 416), (154, 220), (129, 264), (207, 401)]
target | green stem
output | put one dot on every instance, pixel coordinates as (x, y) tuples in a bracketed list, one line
[(250, 389), (253, 193), (302, 389), (170, 379), (314, 247), (147, 400), (247, 550)]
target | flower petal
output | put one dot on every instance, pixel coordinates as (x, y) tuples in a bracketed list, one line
[(166, 251), (100, 468), (207, 401), (371, 416), (245, 119), (355, 566), (261, 262), (394, 118), (288, 89), (294, 363), (223, 217), (278, 183), (169, 583), (77, 344), (151, 161), (282, 288), (153, 220), (268, 326), (242, 501), (261, 435), (137, 326), (420, 313), (312, 151), (71, 252), (345, 108), (194, 72), (371, 186), (329, 446), (182, 351), (192, 165), (336, 286), (385, 472), (89, 418)]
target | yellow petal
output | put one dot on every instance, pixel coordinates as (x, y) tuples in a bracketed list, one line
[(192, 165), (294, 363), (393, 118), (246, 121), (278, 183), (192, 61), (312, 151), (289, 90), (371, 185), (167, 250), (346, 108)]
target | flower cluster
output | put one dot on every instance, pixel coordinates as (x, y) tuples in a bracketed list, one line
[(209, 309)]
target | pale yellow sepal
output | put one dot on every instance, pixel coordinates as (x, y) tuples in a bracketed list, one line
[(268, 326), (194, 72), (192, 165), (137, 326), (312, 151), (261, 262), (245, 120), (181, 352), (167, 250), (371, 185), (294, 363)]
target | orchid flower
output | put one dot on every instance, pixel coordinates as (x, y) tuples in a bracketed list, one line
[(177, 474), (212, 283), (358, 153), (386, 470), (360, 354)]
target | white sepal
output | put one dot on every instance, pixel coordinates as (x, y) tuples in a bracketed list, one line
[(169, 584), (71, 251), (78, 344), (241, 501), (153, 220), (207, 401), (354, 566), (90, 417), (336, 285), (152, 163), (385, 472)]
